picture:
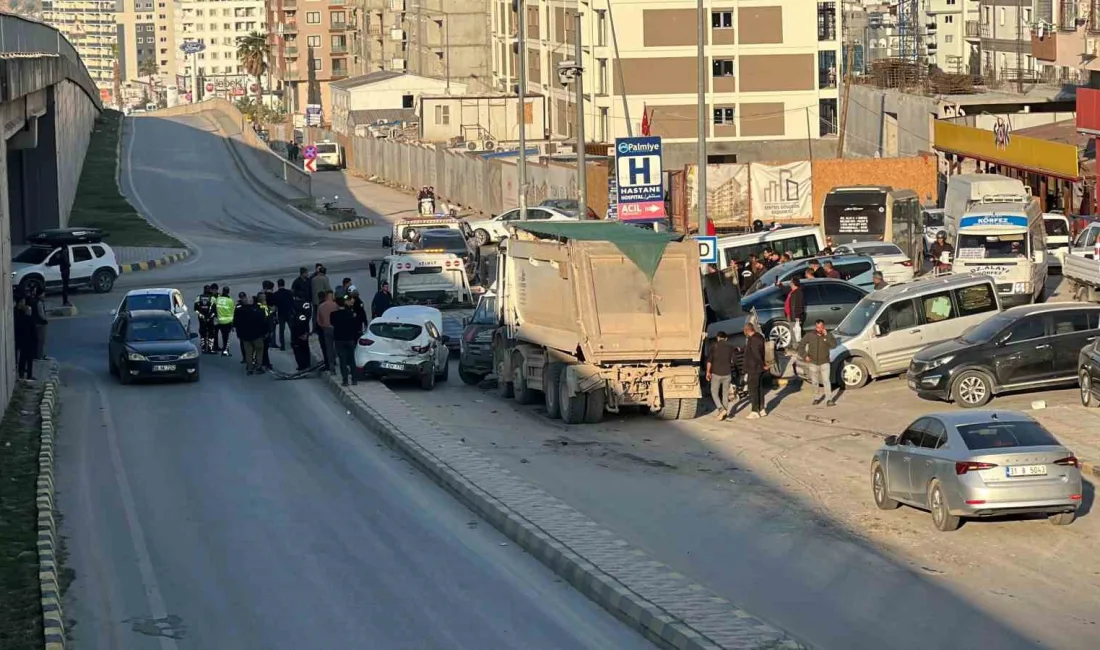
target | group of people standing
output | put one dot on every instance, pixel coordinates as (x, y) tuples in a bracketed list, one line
[(340, 318), (29, 323), (254, 317)]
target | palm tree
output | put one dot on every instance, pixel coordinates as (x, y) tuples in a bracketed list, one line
[(253, 52)]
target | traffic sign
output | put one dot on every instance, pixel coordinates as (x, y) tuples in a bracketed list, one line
[(639, 178), (310, 165), (310, 152), (192, 47), (708, 249)]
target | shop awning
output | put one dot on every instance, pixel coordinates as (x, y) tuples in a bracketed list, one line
[(1023, 152)]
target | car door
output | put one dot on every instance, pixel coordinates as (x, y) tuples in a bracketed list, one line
[(1023, 354), (118, 329), (926, 459), (438, 349), (900, 458), (836, 300), (51, 268), (179, 308), (898, 337), (83, 265), (1071, 330)]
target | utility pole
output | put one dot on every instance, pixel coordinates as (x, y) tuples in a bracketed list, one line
[(701, 172), (849, 61), (1019, 47), (582, 168), (419, 38), (521, 41)]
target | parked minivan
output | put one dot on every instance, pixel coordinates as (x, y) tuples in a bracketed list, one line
[(857, 269), (882, 333), (1023, 348)]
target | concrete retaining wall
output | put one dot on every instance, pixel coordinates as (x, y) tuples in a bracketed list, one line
[(7, 340), (74, 117)]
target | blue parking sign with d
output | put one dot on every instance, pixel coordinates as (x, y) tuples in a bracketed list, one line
[(708, 249)]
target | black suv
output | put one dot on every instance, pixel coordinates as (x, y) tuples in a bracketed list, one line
[(1026, 347)]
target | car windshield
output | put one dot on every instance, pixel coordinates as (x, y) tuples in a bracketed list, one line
[(326, 148), (878, 249), (157, 301), (991, 246), (155, 329), (933, 219), (998, 435), (33, 255), (486, 312), (450, 241), (857, 319), (396, 331), (985, 331), (1056, 227)]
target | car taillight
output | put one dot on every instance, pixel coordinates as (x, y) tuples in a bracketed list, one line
[(421, 349), (365, 341), (907, 263), (1068, 461), (963, 468)]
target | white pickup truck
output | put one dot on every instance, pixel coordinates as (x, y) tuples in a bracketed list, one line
[(1081, 267)]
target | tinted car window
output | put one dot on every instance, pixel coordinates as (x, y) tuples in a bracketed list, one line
[(1056, 227), (976, 299), (1028, 329), (766, 299), (914, 434), (937, 307), (396, 331), (935, 434), (998, 435), (158, 301), (32, 255), (99, 251), (81, 254), (852, 269), (1068, 322), (838, 294)]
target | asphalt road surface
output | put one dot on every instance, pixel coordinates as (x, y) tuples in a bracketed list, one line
[(246, 512)]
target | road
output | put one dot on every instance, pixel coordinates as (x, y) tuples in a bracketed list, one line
[(245, 512)]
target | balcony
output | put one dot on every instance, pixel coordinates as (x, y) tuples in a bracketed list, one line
[(337, 3), (292, 74), (290, 28), (339, 73), (290, 4), (291, 52), (826, 78), (339, 48), (337, 26), (973, 29)]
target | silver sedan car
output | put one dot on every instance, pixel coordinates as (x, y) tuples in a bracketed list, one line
[(960, 464)]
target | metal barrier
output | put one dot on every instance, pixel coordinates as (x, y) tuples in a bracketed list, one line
[(21, 35)]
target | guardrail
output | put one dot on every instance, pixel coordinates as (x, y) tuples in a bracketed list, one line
[(19, 34)]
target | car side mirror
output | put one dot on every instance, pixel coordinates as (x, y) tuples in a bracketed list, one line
[(114, 312), (373, 270), (1003, 340), (1038, 256), (877, 331), (193, 335), (891, 441), (387, 241)]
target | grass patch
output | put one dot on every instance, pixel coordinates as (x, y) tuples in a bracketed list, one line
[(99, 204), (20, 598)]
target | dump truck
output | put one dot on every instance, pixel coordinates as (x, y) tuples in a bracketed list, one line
[(596, 316)]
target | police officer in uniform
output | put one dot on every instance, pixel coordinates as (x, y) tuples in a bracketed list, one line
[(204, 309), (224, 309), (268, 311)]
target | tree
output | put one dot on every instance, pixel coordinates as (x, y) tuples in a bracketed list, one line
[(253, 53)]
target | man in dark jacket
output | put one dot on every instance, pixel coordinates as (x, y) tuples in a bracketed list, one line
[(251, 328), (359, 309), (65, 268), (299, 334), (382, 301), (345, 332), (26, 339), (720, 363), (283, 300), (794, 307), (815, 266), (816, 351), (753, 365), (36, 300), (301, 288)]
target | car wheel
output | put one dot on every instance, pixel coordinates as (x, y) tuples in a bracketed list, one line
[(781, 334), (550, 379), (1088, 400), (32, 283), (941, 517), (596, 401), (427, 380), (572, 407), (670, 409), (854, 373), (520, 390), (481, 236), (972, 389), (124, 373), (445, 374), (103, 281), (880, 490), (469, 378), (1063, 518)]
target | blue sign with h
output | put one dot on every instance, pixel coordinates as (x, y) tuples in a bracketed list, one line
[(638, 170)]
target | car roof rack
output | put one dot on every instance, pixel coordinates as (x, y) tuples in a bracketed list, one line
[(67, 236)]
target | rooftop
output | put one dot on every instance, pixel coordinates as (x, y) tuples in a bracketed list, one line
[(373, 78)]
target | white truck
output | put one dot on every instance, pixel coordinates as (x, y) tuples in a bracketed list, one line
[(1008, 242), (964, 191), (596, 316), (433, 279), (1081, 267)]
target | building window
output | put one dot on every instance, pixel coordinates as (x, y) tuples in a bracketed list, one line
[(827, 112), (1001, 16), (336, 19), (443, 115), (163, 63), (724, 116), (200, 12), (407, 101), (601, 28), (722, 67), (215, 69), (949, 38), (227, 26), (313, 17), (826, 21), (826, 69), (163, 50), (315, 64), (140, 40), (313, 41), (948, 19), (214, 55), (721, 19)]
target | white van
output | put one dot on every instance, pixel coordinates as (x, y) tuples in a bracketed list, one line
[(1057, 227), (799, 241), (965, 191), (1006, 241), (882, 333), (329, 155)]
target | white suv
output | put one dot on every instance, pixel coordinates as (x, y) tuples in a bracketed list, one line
[(92, 263)]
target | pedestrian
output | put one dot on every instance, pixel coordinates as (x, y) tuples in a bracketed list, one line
[(794, 307), (827, 251), (26, 338), (300, 287), (345, 334), (815, 266), (720, 361), (251, 327), (787, 257), (269, 323), (816, 350), (284, 310), (382, 301), (319, 284), (342, 290), (878, 280), (37, 302), (65, 267), (830, 271), (358, 308), (242, 300), (224, 309), (299, 334), (204, 310), (753, 365), (324, 328)]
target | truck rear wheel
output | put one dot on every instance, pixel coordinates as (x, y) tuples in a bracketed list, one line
[(689, 409), (670, 410), (504, 380), (523, 394), (572, 407), (593, 411), (551, 376)]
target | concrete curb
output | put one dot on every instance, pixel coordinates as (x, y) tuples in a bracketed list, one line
[(53, 620), (1091, 469), (360, 222), (650, 597), (64, 311), (148, 265)]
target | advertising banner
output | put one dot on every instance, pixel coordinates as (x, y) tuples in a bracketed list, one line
[(727, 195), (782, 192)]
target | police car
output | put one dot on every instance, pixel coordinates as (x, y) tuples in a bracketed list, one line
[(92, 263)]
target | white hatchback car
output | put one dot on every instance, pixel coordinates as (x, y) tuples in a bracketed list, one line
[(490, 231), (161, 299), (405, 341), (895, 265)]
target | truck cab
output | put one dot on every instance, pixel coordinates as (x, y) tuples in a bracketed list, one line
[(1008, 242), (408, 230), (432, 279)]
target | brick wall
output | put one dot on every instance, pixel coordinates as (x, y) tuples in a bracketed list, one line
[(917, 174)]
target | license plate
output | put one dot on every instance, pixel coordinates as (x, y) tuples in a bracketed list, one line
[(913, 384), (392, 366), (1026, 470), (166, 367)]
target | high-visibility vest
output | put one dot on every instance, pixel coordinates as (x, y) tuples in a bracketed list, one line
[(225, 308)]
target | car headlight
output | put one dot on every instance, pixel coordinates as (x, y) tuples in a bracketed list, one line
[(1021, 287), (134, 356), (190, 355), (936, 363)]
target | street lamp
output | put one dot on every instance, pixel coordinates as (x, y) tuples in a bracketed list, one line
[(570, 72)]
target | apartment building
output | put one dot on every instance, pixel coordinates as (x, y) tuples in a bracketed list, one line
[(217, 24), (771, 74), (1005, 28), (953, 35), (90, 26), (444, 39), (146, 40), (1069, 46)]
